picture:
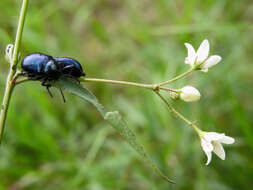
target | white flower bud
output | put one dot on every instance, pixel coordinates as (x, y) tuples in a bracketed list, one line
[(189, 94), (9, 52)]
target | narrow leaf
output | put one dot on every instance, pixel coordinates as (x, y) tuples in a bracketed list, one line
[(80, 91), (114, 118)]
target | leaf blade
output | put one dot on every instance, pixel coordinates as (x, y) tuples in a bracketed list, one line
[(114, 118), (80, 91)]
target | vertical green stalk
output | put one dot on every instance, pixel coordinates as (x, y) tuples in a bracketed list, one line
[(9, 83)]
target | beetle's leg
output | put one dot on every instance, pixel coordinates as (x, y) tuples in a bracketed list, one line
[(49, 92), (63, 97), (43, 83)]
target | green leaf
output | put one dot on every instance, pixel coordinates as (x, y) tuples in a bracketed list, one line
[(114, 118), (80, 91)]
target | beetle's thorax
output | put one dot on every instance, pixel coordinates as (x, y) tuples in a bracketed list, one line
[(51, 69)]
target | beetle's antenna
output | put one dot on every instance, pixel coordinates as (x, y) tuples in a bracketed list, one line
[(63, 97)]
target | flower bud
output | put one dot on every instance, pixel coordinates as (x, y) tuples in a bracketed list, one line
[(9, 52), (189, 94), (174, 95)]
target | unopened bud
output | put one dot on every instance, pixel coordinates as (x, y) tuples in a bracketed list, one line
[(189, 94), (173, 95), (9, 52)]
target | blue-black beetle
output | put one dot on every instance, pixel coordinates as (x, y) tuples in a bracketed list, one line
[(38, 66)]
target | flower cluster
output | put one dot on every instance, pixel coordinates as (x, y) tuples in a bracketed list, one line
[(200, 60)]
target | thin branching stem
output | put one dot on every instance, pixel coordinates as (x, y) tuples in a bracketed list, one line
[(179, 115), (177, 77), (147, 86), (10, 83)]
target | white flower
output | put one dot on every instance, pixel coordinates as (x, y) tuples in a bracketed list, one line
[(189, 94), (201, 57), (211, 141)]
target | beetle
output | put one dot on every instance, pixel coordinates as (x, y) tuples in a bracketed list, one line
[(38, 66)]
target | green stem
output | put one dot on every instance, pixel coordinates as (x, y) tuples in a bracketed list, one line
[(177, 77), (173, 110), (147, 86), (10, 83), (22, 81)]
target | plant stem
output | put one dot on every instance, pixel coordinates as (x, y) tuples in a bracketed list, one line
[(21, 81), (173, 110), (14, 60), (177, 77), (147, 86)]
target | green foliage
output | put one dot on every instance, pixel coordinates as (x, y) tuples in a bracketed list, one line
[(51, 145), (114, 118)]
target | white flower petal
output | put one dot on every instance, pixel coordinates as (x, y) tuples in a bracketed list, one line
[(203, 51), (190, 59), (206, 146), (211, 61), (218, 150), (211, 141), (204, 70), (227, 140), (209, 157), (212, 136)]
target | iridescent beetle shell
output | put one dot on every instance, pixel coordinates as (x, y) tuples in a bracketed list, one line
[(69, 67), (38, 64)]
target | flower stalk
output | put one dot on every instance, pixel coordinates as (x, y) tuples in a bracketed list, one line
[(177, 77), (12, 71), (179, 115), (126, 83)]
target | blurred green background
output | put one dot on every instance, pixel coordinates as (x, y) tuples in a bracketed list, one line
[(51, 145)]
